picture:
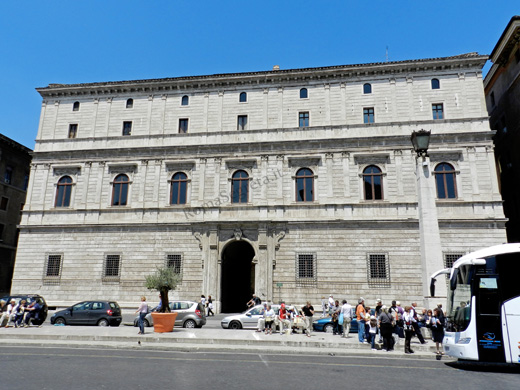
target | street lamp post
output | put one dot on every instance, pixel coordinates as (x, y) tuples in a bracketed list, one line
[(430, 239)]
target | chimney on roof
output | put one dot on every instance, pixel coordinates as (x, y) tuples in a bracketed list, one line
[(276, 67)]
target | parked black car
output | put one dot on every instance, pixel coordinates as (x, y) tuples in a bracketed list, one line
[(101, 313), (30, 298)]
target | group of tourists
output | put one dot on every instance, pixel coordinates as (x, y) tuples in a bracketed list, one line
[(19, 313), (386, 322), (286, 319)]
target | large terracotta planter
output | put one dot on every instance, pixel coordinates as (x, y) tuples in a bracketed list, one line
[(163, 322)]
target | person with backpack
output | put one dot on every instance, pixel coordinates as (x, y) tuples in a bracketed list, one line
[(386, 324), (408, 329)]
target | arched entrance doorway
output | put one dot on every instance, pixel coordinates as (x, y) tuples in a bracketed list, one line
[(238, 276)]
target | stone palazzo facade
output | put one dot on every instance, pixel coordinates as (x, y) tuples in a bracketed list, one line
[(294, 184)]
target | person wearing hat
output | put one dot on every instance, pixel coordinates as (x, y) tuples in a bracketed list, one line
[(284, 322)]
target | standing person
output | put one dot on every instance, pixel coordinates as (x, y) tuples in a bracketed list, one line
[(346, 310), (331, 304), (308, 312), (269, 319), (360, 316), (379, 305), (203, 301), (335, 318), (437, 327), (408, 329), (143, 311), (386, 321), (415, 323), (324, 306), (210, 306), (368, 313), (372, 331)]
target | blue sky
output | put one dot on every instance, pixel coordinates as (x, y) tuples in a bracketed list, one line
[(43, 42)]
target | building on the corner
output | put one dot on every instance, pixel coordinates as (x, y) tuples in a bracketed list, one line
[(294, 184), (15, 161), (502, 89)]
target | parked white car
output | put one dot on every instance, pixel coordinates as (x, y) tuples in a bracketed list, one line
[(249, 318)]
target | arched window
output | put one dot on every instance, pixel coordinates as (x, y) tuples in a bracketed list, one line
[(445, 181), (243, 97), (436, 84), (75, 106), (373, 183), (304, 185), (63, 192), (239, 187), (304, 94), (130, 103), (367, 88), (179, 188), (120, 190), (185, 100)]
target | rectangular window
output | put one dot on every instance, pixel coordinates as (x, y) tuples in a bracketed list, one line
[(73, 130), (1, 232), (25, 182), (450, 258), (303, 119), (111, 268), (183, 125), (438, 111), (52, 271), (8, 175), (306, 266), (378, 269), (174, 260), (127, 128), (242, 122), (368, 115), (3, 203)]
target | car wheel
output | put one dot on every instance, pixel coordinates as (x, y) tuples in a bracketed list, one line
[(102, 322), (235, 325), (328, 328), (146, 323), (190, 324), (60, 321)]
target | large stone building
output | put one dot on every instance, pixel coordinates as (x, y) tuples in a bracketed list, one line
[(15, 161), (295, 184), (502, 88)]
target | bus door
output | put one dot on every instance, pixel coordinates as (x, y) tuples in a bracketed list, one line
[(488, 320)]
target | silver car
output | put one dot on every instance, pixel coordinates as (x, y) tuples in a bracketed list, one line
[(249, 318), (189, 315)]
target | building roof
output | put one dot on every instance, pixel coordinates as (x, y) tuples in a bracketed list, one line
[(506, 41), (176, 83)]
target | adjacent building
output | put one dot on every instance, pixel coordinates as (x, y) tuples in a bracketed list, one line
[(15, 160), (294, 184), (502, 88)]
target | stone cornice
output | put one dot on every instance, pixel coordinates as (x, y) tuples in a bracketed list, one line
[(276, 78), (270, 148)]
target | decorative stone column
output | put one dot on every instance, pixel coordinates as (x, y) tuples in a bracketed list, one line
[(431, 249)]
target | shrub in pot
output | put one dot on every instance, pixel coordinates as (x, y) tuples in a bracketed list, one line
[(163, 280)]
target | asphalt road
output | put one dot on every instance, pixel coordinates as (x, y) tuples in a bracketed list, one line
[(58, 368)]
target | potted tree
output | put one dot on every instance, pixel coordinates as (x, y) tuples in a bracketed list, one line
[(163, 280)]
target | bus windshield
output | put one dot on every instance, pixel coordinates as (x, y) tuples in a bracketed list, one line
[(458, 311)]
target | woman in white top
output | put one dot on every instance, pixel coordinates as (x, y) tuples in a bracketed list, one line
[(408, 329), (269, 318), (143, 311)]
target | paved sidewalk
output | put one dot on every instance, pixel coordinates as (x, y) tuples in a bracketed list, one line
[(202, 340)]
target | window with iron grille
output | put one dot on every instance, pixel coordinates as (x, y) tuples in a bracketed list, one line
[(52, 271), (174, 260), (450, 258), (112, 266), (378, 269), (306, 266)]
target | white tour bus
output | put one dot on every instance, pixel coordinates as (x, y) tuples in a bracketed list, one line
[(483, 308)]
